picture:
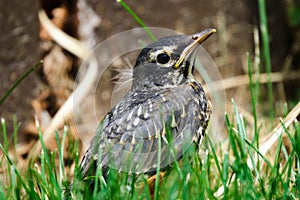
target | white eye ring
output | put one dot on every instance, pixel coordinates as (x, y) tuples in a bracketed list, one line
[(164, 62)]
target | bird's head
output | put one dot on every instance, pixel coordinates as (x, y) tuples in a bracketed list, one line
[(169, 60)]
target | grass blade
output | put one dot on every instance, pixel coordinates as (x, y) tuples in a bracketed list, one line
[(158, 167), (266, 55), (12, 88), (137, 19)]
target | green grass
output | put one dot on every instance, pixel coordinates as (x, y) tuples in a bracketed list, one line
[(196, 177)]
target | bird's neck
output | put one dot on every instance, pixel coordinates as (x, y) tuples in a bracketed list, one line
[(156, 77)]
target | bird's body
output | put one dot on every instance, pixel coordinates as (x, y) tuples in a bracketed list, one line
[(165, 103)]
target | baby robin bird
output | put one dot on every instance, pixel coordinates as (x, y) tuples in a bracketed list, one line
[(165, 112)]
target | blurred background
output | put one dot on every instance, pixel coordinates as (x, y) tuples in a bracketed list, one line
[(23, 42)]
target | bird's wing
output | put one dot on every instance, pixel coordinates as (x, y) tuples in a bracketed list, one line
[(129, 135)]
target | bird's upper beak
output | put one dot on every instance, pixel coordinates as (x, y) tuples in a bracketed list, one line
[(197, 38)]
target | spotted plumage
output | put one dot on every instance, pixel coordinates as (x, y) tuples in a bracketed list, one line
[(165, 102)]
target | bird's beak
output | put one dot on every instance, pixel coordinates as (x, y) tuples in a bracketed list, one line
[(198, 38)]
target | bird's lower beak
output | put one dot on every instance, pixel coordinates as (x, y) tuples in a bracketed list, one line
[(198, 39)]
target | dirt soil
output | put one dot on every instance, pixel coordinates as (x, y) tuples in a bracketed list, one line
[(19, 50)]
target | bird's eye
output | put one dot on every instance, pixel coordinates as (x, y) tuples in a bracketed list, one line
[(163, 58)]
